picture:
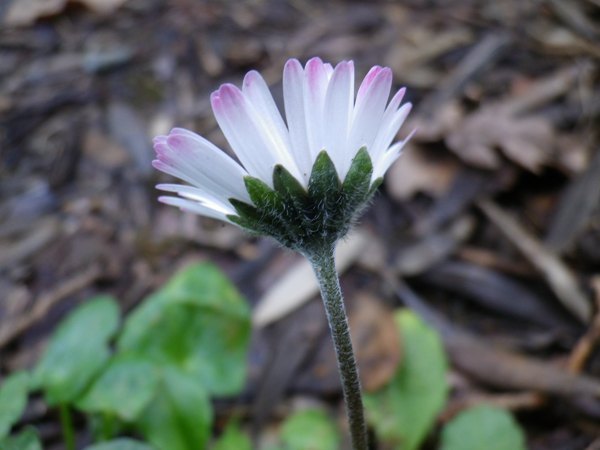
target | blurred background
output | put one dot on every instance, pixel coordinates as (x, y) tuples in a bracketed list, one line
[(488, 226)]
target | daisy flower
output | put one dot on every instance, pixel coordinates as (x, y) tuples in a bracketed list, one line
[(300, 179)]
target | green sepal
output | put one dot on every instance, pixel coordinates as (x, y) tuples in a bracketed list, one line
[(304, 219), (244, 223), (263, 197), (324, 183), (251, 218), (374, 186), (244, 209), (357, 182), (325, 195), (290, 189)]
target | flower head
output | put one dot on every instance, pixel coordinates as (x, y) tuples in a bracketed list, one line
[(302, 183)]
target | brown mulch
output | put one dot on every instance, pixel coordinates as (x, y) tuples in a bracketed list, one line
[(489, 226)]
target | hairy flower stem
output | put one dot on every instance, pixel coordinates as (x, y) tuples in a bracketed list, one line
[(323, 264)]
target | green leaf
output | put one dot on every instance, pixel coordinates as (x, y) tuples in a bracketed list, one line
[(25, 440), (77, 350), (123, 389), (483, 427), (403, 412), (197, 322), (120, 444), (180, 416), (310, 429), (233, 439), (13, 399)]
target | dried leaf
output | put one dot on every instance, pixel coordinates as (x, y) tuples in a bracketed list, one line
[(299, 284), (26, 12), (377, 341), (417, 173), (528, 141)]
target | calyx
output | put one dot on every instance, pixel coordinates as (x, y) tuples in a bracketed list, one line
[(302, 219)]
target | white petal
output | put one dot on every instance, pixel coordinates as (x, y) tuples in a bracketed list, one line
[(251, 140), (202, 209), (369, 110), (218, 171), (197, 195), (338, 110), (269, 119), (389, 157), (390, 126), (171, 161), (231, 111), (293, 97), (366, 83), (315, 89)]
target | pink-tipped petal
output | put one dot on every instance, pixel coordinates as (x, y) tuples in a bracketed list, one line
[(213, 167), (369, 111), (366, 83), (250, 134), (159, 140), (231, 112), (315, 89), (269, 120), (293, 99), (338, 114)]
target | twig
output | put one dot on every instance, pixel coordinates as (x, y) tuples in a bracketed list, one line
[(481, 56), (590, 339), (42, 235), (576, 19), (512, 401), (46, 301), (496, 366), (557, 274)]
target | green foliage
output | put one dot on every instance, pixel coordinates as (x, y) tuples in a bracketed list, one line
[(483, 427), (403, 412), (310, 430), (25, 440), (123, 389), (182, 344), (233, 439), (197, 322), (120, 444), (13, 399), (77, 351), (180, 416)]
